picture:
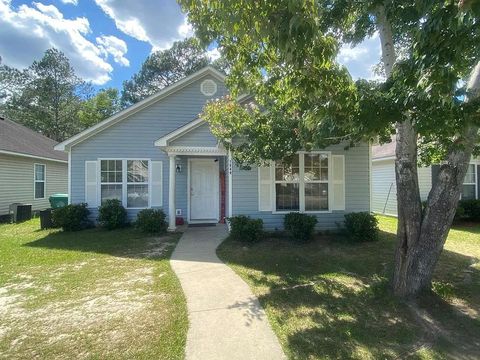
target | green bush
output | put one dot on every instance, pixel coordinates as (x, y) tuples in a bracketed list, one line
[(471, 209), (112, 215), (300, 227), (361, 226), (72, 217), (243, 228), (151, 221), (460, 212)]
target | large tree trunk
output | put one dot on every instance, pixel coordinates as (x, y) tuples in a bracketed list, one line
[(421, 236)]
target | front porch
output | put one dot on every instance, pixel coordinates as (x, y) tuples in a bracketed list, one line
[(198, 175)]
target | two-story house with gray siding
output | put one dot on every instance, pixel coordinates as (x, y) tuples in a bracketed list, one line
[(30, 169), (159, 154)]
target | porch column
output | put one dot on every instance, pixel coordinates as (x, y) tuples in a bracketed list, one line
[(171, 194)]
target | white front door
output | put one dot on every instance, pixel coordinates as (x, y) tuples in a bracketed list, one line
[(204, 199)]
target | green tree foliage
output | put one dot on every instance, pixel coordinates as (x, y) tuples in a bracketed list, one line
[(11, 82), (99, 107), (283, 54), (49, 98), (162, 68)]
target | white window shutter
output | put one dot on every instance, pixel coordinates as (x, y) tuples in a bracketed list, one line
[(157, 181), (264, 189), (91, 183), (338, 182)]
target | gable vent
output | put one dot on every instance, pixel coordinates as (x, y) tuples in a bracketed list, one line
[(208, 87)]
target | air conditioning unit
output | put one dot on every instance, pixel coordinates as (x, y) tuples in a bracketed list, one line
[(20, 212)]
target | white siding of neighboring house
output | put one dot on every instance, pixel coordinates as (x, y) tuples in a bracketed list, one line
[(16, 181), (384, 189), (383, 176), (424, 181)]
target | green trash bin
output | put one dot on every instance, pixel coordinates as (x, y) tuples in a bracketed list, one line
[(58, 200)]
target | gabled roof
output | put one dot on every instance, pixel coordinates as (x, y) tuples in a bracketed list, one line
[(208, 70), (19, 140), (164, 140)]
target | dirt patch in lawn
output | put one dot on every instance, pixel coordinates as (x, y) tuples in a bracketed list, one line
[(105, 305)]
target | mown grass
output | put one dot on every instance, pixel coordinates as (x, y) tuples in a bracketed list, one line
[(90, 294), (331, 300)]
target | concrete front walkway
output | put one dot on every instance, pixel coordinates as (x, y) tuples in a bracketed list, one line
[(226, 319)]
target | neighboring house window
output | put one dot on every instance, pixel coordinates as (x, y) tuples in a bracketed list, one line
[(39, 181), (111, 177), (125, 180), (470, 183), (137, 183), (301, 183)]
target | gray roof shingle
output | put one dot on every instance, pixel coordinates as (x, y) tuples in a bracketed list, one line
[(19, 139), (385, 150)]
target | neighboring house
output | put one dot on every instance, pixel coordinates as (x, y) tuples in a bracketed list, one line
[(384, 189), (30, 169), (159, 154)]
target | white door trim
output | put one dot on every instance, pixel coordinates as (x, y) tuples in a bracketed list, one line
[(217, 187)]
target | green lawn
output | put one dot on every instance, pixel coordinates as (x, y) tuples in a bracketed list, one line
[(92, 294), (331, 300)]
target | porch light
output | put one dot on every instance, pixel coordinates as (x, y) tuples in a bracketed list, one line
[(178, 167)]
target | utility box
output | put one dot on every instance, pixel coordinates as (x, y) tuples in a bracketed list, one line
[(20, 212)]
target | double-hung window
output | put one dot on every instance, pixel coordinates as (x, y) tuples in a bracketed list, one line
[(111, 178), (287, 184), (302, 183), (39, 181), (470, 183), (137, 183), (316, 182), (125, 180)]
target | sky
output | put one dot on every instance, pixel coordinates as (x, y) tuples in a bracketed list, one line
[(107, 40)]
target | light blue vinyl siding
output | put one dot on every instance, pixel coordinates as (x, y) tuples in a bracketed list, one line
[(357, 190), (200, 136), (134, 138)]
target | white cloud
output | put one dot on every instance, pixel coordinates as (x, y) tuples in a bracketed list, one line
[(111, 45), (159, 22), (71, 2), (361, 59), (213, 54), (27, 31)]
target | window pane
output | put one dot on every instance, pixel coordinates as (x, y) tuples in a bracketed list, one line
[(287, 170), (137, 171), (324, 160), (287, 197), (470, 176), (111, 171), (316, 197), (40, 172), (468, 192), (111, 192), (137, 196), (312, 167), (324, 174), (39, 190)]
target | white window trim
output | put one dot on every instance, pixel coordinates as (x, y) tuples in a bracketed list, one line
[(124, 182), (474, 184), (44, 181), (301, 183)]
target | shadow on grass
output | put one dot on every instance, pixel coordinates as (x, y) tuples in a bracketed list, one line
[(126, 242), (332, 300)]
